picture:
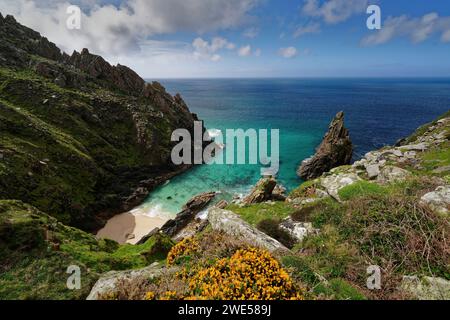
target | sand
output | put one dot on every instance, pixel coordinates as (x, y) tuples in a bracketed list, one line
[(129, 228)]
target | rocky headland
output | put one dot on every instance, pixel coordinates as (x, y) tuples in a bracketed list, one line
[(82, 140), (335, 150)]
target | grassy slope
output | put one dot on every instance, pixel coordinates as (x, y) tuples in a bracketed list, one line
[(74, 152), (37, 250), (376, 225)]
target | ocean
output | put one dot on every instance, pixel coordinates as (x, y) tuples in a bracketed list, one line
[(378, 112)]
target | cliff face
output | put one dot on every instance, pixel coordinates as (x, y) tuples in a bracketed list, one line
[(335, 150), (77, 135)]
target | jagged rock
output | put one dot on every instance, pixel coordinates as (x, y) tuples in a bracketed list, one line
[(262, 191), (334, 183), (335, 150), (222, 204), (231, 224), (190, 210), (95, 66), (391, 174), (194, 227), (298, 230), (438, 200), (426, 288), (109, 280), (279, 193)]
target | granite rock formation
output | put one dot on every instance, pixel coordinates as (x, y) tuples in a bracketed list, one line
[(335, 150)]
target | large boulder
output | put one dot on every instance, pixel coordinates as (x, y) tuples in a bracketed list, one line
[(298, 230), (392, 174), (231, 224), (108, 281), (335, 150), (335, 182), (438, 200), (190, 210)]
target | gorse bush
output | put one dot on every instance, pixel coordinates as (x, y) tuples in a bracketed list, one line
[(250, 274), (182, 249)]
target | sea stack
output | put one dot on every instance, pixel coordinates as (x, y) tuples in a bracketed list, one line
[(335, 150)]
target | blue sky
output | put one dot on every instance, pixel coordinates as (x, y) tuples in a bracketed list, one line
[(252, 38)]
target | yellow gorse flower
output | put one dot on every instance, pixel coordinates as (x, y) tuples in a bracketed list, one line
[(183, 248), (250, 274)]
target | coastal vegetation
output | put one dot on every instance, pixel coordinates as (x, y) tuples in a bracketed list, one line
[(82, 140)]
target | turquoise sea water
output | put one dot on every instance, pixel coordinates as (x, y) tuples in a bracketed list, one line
[(377, 111)]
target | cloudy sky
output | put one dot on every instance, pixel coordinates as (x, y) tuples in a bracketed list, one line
[(251, 38)]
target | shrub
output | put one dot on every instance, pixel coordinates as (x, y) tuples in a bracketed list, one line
[(182, 249), (250, 274)]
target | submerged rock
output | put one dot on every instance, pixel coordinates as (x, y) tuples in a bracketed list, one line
[(335, 150), (231, 224)]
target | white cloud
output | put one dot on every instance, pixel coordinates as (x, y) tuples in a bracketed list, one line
[(257, 53), (115, 30), (309, 28), (288, 52), (416, 29), (206, 50), (245, 51), (334, 11)]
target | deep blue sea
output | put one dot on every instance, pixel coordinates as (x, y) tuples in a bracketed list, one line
[(377, 112)]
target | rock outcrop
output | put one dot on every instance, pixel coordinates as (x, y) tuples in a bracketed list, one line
[(262, 191), (438, 200), (231, 224), (266, 189), (298, 230), (426, 288), (190, 210), (96, 67), (108, 281), (335, 150)]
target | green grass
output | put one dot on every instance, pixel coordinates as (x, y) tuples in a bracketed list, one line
[(339, 289), (255, 213), (376, 225), (436, 158), (37, 251), (361, 188), (303, 191)]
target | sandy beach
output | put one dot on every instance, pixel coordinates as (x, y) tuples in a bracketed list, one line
[(129, 228)]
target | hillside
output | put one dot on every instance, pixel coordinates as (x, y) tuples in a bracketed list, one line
[(388, 211), (79, 137), (81, 140)]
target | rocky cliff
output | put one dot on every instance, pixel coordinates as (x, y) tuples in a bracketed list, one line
[(335, 150), (79, 138)]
